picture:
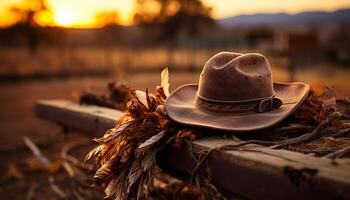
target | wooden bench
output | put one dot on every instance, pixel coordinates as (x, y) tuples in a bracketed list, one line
[(258, 173)]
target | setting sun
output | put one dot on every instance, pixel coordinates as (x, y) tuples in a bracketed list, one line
[(64, 18)]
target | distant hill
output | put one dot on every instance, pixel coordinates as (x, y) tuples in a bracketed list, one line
[(284, 19)]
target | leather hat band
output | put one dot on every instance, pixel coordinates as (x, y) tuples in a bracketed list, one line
[(238, 107)]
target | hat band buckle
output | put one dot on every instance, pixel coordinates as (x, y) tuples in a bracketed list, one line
[(259, 105)]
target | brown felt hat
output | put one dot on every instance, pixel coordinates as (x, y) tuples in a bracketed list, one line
[(235, 93)]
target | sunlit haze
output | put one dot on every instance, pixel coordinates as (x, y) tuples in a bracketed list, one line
[(82, 13)]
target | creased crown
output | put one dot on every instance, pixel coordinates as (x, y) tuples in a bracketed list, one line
[(231, 76)]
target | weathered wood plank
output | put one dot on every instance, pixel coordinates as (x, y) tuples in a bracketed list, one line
[(255, 172), (90, 119)]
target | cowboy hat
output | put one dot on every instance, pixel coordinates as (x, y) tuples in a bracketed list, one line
[(235, 93)]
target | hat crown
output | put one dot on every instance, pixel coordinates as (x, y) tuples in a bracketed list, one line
[(236, 77)]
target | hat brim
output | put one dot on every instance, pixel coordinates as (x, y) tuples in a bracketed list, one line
[(180, 107)]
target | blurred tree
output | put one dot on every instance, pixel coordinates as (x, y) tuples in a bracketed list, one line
[(27, 14), (166, 20), (107, 18), (171, 17)]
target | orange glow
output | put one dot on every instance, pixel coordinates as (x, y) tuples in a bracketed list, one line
[(44, 18), (85, 13)]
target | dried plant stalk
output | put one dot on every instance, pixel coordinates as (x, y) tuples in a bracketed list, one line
[(126, 154)]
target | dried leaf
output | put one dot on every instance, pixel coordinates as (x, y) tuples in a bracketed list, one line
[(141, 97), (186, 134), (313, 110), (102, 173), (149, 159), (94, 152), (153, 139), (126, 155), (149, 101), (123, 126), (161, 94), (114, 132), (134, 173), (107, 133), (163, 122), (111, 189), (164, 81)]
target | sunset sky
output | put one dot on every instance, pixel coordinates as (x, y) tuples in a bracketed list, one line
[(81, 13)]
